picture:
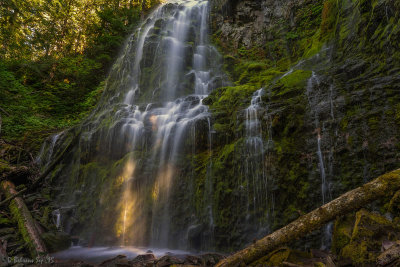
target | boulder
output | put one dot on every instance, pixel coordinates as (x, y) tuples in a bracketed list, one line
[(168, 260), (369, 232), (120, 261), (143, 260)]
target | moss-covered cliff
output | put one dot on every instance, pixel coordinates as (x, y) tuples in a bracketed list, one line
[(330, 73)]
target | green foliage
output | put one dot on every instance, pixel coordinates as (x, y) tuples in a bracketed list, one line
[(54, 54)]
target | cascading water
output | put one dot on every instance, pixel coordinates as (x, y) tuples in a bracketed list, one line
[(254, 162), (44, 157), (317, 101), (147, 128), (313, 99), (256, 187)]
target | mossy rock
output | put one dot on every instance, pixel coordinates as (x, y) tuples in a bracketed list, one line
[(394, 204), (342, 232), (369, 231), (277, 257), (56, 241)]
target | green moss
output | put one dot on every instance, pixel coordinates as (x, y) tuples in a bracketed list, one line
[(358, 253), (45, 217), (369, 230), (5, 221), (296, 79), (342, 233), (277, 257), (394, 204), (21, 227), (56, 241)]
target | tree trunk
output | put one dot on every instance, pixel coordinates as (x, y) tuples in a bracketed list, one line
[(26, 224), (384, 185)]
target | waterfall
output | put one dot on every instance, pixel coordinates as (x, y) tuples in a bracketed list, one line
[(313, 100), (147, 128), (47, 150), (317, 100), (254, 165)]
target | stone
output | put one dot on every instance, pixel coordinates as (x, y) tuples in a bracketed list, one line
[(167, 261), (143, 260), (194, 260), (369, 232), (120, 260), (210, 259)]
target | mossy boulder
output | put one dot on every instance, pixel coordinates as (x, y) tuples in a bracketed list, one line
[(342, 232), (369, 231), (394, 204)]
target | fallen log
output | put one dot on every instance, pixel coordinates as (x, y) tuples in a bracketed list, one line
[(384, 185), (389, 256), (26, 223)]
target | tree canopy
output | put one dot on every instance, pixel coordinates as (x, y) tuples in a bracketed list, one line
[(53, 57)]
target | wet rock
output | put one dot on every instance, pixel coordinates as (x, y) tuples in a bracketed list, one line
[(210, 259), (143, 260), (168, 260), (119, 261), (194, 236), (193, 260), (69, 263)]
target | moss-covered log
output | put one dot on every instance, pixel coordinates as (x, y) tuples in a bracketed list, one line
[(26, 223), (384, 185)]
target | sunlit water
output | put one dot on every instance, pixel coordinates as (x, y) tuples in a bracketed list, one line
[(151, 120)]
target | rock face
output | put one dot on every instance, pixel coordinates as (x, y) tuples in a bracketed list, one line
[(261, 24), (312, 113), (329, 112)]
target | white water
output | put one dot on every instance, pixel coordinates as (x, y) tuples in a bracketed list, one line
[(255, 173), (163, 122), (47, 149)]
